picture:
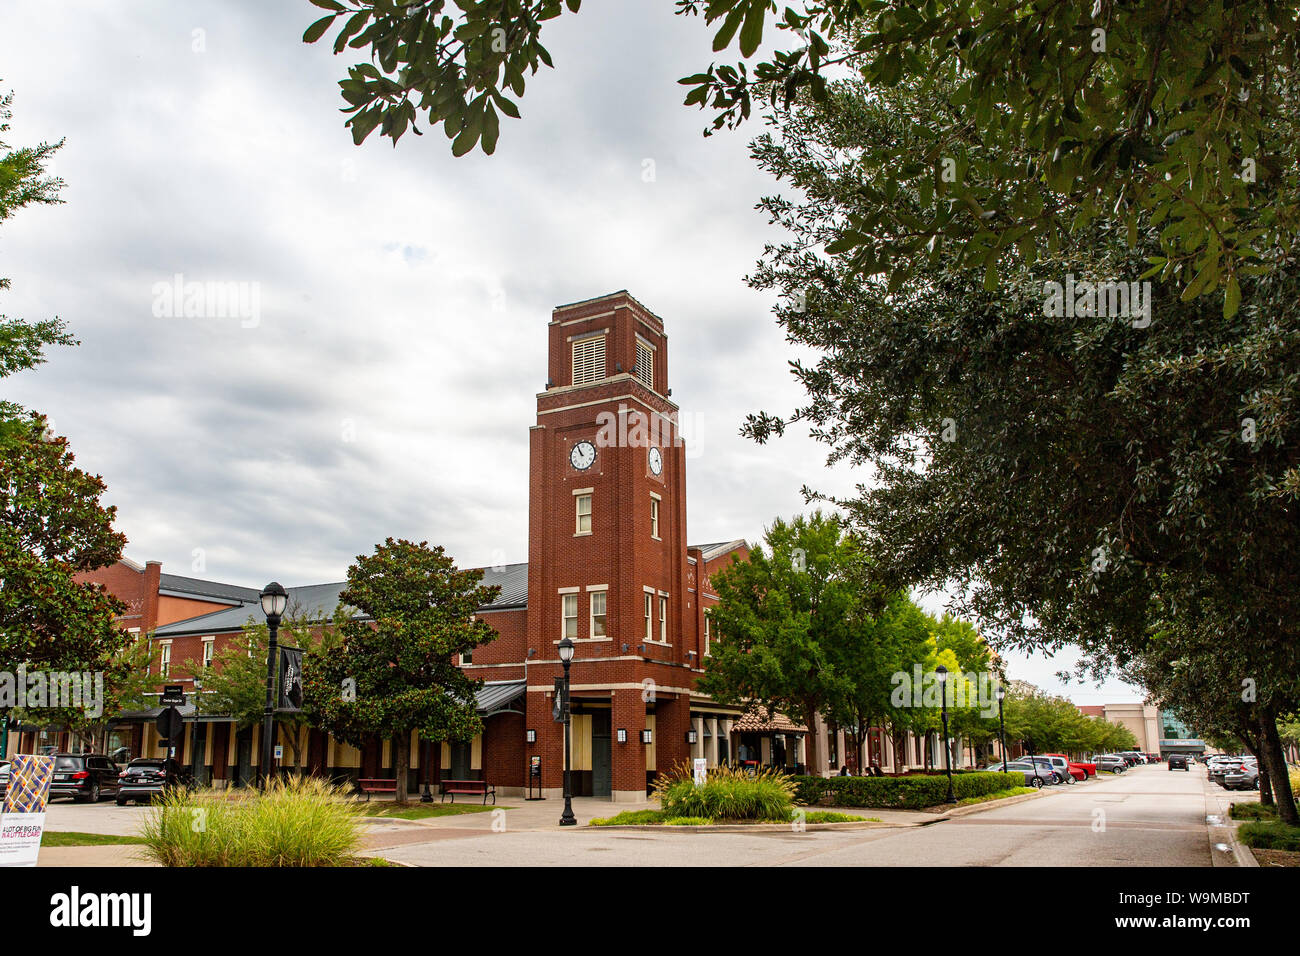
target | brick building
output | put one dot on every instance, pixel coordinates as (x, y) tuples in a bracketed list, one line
[(608, 565)]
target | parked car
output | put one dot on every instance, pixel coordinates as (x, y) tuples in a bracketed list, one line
[(146, 777), (1062, 768), (1080, 771), (1244, 776), (1110, 762), (1132, 757), (1035, 776), (84, 777), (1179, 762), (1219, 764)]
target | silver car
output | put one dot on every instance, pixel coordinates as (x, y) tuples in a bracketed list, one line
[(1035, 776), (1242, 776), (1112, 762)]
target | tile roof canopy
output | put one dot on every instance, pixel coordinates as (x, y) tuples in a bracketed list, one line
[(318, 601), (756, 720)]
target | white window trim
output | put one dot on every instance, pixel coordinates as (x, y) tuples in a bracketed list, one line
[(648, 610), (591, 613), (656, 512), (577, 514), (663, 618), (594, 363), (564, 618)]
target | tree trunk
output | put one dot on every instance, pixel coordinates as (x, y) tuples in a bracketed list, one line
[(1273, 760), (401, 764)]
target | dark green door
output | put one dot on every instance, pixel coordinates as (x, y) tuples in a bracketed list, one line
[(460, 760), (600, 760)]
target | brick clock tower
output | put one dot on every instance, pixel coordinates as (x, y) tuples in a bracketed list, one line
[(607, 553)]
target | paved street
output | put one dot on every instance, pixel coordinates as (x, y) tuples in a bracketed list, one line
[(1147, 816)]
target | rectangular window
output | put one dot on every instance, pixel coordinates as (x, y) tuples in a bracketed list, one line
[(584, 514), (706, 633), (207, 653), (467, 657), (165, 661), (663, 619), (597, 613), (589, 360), (654, 517), (570, 629), (645, 364), (649, 617)]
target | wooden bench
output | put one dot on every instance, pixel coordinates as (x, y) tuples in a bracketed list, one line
[(369, 785), (469, 787)]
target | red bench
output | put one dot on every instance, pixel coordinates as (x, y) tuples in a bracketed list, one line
[(369, 785), (470, 787)]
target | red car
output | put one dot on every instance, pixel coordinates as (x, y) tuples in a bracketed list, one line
[(1079, 771)]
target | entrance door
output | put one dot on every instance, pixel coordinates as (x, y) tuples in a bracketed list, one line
[(460, 760), (244, 758), (198, 764), (601, 783)]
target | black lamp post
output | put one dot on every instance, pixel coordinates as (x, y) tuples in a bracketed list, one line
[(1001, 693), (274, 599), (567, 819), (942, 673)]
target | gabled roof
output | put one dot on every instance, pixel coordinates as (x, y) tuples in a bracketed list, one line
[(175, 585), (318, 601), (719, 548)]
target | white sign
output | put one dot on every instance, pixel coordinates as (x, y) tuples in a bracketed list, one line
[(701, 767), (22, 813), (20, 838), (279, 751)]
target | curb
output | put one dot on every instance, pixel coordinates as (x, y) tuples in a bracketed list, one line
[(994, 804), (756, 827)]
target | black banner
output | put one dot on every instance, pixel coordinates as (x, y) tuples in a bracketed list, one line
[(290, 680)]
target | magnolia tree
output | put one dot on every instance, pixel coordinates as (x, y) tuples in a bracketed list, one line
[(393, 670)]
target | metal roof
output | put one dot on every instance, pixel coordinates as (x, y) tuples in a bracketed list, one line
[(494, 696), (317, 602), (718, 548), (196, 587)]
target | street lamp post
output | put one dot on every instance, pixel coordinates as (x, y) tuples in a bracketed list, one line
[(942, 673), (567, 819), (1001, 693), (274, 599)]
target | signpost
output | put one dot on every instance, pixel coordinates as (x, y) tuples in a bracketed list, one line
[(534, 778), (22, 814)]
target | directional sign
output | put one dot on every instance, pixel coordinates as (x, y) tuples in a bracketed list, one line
[(173, 695)]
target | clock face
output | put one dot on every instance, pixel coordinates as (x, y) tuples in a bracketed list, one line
[(656, 461), (583, 455)]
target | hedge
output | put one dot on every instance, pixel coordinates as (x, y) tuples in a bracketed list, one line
[(912, 792)]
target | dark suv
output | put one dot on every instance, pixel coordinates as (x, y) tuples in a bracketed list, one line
[(84, 777), (1178, 762)]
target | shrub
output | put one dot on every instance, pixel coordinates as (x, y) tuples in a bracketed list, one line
[(688, 822), (305, 822), (1269, 835), (630, 818), (912, 792), (830, 816), (726, 794), (1252, 811)]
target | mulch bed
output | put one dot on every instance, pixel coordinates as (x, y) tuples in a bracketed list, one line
[(1277, 857)]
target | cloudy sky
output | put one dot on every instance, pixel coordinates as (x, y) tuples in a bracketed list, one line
[(382, 377)]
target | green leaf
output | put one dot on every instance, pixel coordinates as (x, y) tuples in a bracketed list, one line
[(1231, 298), (751, 34), (317, 29)]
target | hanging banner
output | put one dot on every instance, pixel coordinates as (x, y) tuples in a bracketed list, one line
[(290, 679), (22, 814)]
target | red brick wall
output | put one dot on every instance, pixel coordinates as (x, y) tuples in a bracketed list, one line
[(503, 750)]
